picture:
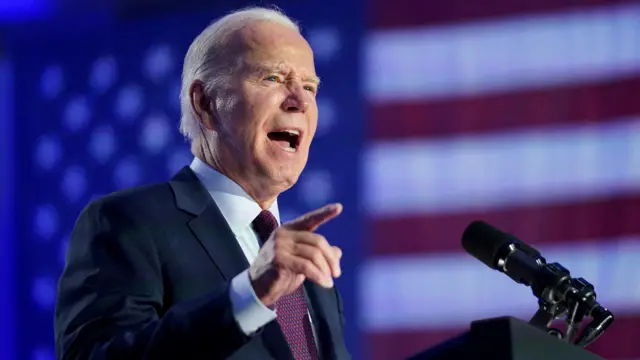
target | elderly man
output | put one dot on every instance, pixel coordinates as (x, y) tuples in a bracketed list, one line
[(198, 267)]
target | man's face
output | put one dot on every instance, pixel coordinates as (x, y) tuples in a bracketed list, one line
[(268, 115)]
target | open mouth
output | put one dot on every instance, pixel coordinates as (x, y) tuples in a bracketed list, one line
[(288, 140)]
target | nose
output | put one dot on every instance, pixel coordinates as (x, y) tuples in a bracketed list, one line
[(297, 100)]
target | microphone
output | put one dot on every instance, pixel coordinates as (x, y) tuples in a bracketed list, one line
[(552, 284), (505, 253)]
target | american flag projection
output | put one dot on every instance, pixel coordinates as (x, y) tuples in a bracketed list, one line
[(525, 114)]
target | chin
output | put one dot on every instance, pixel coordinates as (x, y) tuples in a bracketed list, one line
[(285, 178)]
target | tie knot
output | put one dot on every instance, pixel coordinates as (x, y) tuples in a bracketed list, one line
[(264, 224)]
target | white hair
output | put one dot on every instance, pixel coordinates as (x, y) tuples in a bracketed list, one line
[(205, 60)]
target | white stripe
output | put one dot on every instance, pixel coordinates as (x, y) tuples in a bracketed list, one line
[(512, 168), (501, 55), (449, 290)]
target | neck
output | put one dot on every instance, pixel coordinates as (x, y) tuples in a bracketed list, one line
[(202, 152)]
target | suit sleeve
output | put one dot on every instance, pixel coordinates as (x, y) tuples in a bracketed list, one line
[(340, 310), (346, 354), (110, 299)]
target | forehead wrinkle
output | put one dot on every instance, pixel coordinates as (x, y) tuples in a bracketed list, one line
[(251, 46)]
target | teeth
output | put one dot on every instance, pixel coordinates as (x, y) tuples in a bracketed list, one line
[(293, 132), (287, 148)]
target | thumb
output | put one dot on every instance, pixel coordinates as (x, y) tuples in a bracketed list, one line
[(311, 220)]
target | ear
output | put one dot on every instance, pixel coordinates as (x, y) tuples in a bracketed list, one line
[(202, 104)]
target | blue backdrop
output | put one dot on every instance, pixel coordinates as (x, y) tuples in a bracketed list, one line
[(7, 209), (99, 111)]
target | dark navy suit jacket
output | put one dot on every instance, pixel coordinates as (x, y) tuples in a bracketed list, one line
[(147, 277)]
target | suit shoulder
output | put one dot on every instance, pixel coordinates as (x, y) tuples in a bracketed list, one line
[(138, 194), (136, 200)]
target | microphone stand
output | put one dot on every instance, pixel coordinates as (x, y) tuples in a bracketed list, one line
[(558, 294), (547, 312), (578, 301), (602, 318), (579, 297), (573, 320), (549, 308), (574, 297)]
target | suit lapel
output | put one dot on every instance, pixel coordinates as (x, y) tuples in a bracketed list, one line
[(214, 234), (218, 241), (316, 298), (208, 225)]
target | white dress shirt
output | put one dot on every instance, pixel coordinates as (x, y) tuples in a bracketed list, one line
[(239, 210)]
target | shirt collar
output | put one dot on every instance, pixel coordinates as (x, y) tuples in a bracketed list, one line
[(237, 207)]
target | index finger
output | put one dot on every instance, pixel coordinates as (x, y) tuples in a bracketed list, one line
[(311, 220)]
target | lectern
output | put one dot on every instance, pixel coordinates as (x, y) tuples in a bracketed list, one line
[(505, 338)]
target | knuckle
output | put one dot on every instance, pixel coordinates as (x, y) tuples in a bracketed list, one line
[(337, 250), (280, 244), (278, 234), (317, 256), (308, 267), (323, 240), (277, 245), (278, 257), (318, 239)]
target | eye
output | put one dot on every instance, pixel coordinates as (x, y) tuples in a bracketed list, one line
[(310, 88), (273, 78)]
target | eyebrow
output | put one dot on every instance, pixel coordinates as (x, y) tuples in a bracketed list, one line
[(280, 69), (313, 79)]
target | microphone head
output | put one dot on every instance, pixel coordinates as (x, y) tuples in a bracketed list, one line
[(484, 242)]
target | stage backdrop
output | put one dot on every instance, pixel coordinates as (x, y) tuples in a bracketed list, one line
[(523, 113), (99, 111), (7, 214)]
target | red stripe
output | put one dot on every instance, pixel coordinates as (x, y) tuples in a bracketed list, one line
[(577, 104), (599, 219), (619, 342), (406, 13)]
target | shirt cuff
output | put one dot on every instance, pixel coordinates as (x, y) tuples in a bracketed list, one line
[(250, 313)]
